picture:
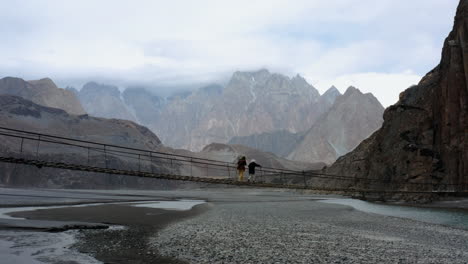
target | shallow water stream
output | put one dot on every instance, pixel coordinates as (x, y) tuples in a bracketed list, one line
[(448, 217)]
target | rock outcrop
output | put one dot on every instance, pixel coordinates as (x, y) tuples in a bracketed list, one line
[(43, 92), (424, 137), (353, 117)]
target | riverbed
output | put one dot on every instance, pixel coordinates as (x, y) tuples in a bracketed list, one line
[(235, 225)]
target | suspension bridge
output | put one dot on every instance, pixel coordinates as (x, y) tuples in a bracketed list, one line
[(60, 152)]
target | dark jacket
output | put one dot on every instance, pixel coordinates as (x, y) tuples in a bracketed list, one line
[(241, 164), (252, 166)]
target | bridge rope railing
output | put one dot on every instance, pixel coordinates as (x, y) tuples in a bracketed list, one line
[(159, 164), (111, 148)]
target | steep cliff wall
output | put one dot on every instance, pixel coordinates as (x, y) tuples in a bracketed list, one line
[(424, 135)]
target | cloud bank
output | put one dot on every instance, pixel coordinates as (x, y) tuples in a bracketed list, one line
[(379, 46)]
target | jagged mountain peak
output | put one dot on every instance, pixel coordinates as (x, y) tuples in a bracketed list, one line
[(352, 118), (352, 90), (298, 80), (332, 91)]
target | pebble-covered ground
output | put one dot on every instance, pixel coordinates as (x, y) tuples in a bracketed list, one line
[(256, 229)]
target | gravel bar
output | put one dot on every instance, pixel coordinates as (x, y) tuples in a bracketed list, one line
[(252, 228)]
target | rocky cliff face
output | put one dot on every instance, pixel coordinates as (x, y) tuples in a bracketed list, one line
[(104, 101), (43, 92), (424, 137), (353, 117)]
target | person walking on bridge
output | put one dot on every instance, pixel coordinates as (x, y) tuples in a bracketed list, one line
[(252, 166), (241, 167)]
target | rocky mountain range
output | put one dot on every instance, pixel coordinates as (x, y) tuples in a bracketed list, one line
[(43, 92), (424, 137), (346, 121), (283, 142), (251, 102), (268, 111), (353, 117)]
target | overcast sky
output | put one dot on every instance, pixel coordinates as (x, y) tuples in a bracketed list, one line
[(379, 46)]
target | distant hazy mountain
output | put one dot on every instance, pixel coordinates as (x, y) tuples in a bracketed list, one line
[(283, 142), (43, 92), (184, 113), (326, 100), (353, 117), (104, 101), (253, 103), (144, 105), (268, 111)]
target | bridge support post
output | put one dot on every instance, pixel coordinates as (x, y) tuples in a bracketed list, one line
[(151, 163), (172, 165), (21, 147), (105, 156), (139, 162), (305, 182), (229, 171), (37, 147)]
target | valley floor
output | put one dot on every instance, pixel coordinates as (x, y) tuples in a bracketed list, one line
[(233, 226)]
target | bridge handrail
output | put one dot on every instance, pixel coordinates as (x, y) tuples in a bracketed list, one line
[(221, 163)]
